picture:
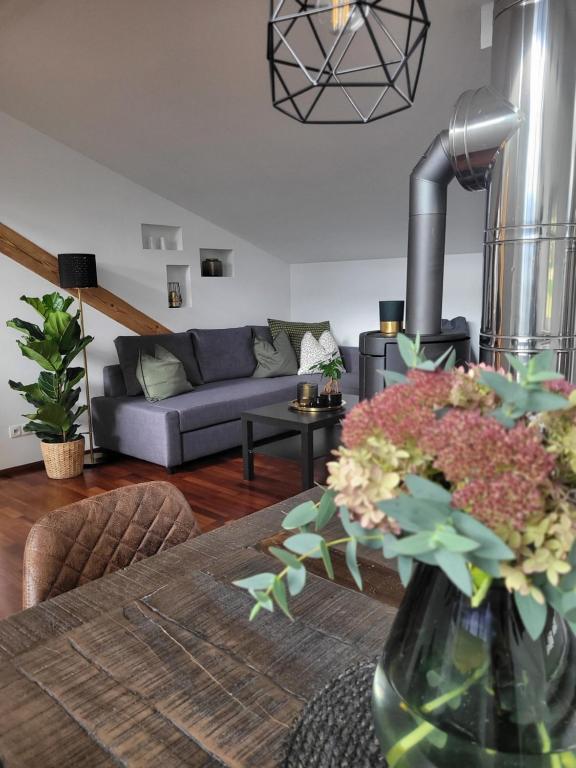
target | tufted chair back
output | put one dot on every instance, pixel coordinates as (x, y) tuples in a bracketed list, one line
[(86, 540)]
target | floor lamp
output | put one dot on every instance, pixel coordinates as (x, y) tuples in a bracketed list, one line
[(78, 270)]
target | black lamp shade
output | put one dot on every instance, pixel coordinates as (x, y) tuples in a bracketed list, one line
[(77, 270), (391, 311)]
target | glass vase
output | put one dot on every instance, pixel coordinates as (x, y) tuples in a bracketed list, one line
[(462, 686)]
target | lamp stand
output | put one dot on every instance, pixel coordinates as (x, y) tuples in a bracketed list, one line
[(94, 459)]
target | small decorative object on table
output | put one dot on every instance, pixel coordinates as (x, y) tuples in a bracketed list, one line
[(391, 317), (468, 478), (307, 393), (54, 346), (174, 295), (331, 370)]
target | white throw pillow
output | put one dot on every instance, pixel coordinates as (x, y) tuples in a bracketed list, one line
[(315, 351)]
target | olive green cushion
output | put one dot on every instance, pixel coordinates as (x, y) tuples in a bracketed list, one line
[(296, 331), (277, 359), (161, 375)]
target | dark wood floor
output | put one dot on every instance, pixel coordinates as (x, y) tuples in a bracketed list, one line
[(214, 487)]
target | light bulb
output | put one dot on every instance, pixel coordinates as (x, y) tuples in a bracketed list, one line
[(341, 15)]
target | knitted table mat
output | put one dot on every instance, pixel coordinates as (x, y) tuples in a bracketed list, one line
[(335, 728)]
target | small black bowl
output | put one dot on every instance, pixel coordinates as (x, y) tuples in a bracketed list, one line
[(323, 401), (335, 400)]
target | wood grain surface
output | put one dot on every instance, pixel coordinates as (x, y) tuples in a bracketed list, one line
[(158, 665), (29, 255)]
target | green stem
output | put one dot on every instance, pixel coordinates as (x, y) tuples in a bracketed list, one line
[(555, 760), (424, 729)]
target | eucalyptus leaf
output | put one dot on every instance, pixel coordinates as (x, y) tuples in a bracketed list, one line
[(300, 516), (454, 542), (352, 562), (305, 544), (327, 560), (405, 566), (491, 545), (296, 580), (280, 596), (542, 402), (326, 509), (287, 558), (415, 544), (407, 349), (258, 581), (393, 377), (533, 614), (422, 488), (454, 566), (264, 600)]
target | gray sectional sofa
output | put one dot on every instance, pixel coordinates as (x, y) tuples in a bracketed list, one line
[(201, 422)]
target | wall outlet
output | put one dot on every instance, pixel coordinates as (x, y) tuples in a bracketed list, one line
[(16, 430)]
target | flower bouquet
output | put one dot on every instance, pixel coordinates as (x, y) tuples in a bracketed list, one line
[(468, 479)]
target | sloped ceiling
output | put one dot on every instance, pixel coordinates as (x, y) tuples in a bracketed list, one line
[(174, 95)]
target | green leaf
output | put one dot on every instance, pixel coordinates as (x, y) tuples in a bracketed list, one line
[(455, 567), (407, 349), (296, 580), (444, 356), (491, 546), (48, 384), (73, 376), (414, 514), (568, 582), (491, 567), (508, 391), (55, 302), (421, 488), (415, 544), (258, 581), (256, 608), (533, 614), (71, 336), (327, 560), (300, 515), (451, 362), (352, 562), (263, 599), (56, 415), (542, 402), (70, 356), (454, 542), (45, 353), (56, 324), (279, 593), (287, 558), (305, 544), (30, 328), (568, 603), (405, 569), (37, 304), (503, 418), (392, 377), (543, 362), (351, 527), (326, 510)]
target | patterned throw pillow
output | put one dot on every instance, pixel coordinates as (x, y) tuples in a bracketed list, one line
[(314, 352), (296, 331)]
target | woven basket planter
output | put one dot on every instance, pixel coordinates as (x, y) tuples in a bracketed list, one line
[(63, 460)]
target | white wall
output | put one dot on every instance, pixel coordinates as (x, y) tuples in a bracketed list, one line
[(63, 201), (347, 292)]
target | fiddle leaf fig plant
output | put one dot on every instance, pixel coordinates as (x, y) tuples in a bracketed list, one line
[(53, 345)]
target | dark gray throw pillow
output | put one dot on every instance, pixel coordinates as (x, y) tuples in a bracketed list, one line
[(224, 353), (161, 375), (277, 359), (179, 344)]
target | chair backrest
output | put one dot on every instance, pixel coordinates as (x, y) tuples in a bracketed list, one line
[(90, 538)]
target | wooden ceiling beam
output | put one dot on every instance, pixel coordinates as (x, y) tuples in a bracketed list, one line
[(44, 264)]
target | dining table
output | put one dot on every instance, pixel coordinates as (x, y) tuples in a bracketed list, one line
[(159, 665)]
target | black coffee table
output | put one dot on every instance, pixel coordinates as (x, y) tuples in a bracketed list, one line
[(281, 415)]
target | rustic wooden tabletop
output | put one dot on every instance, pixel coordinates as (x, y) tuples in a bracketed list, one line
[(158, 665)]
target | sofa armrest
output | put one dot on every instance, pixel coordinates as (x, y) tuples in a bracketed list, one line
[(134, 427), (351, 359), (114, 385)]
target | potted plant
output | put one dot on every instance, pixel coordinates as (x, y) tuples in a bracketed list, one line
[(331, 370), (54, 345), (468, 479)]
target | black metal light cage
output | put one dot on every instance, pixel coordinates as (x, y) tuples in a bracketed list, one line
[(373, 70)]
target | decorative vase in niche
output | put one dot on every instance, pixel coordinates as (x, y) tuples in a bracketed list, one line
[(212, 268), (464, 686)]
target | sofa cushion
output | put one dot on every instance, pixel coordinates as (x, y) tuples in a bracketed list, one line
[(263, 332), (277, 359), (296, 331), (161, 375), (223, 401), (129, 348), (224, 353)]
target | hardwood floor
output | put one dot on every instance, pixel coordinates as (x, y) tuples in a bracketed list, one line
[(214, 487)]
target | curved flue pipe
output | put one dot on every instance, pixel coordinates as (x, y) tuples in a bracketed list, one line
[(482, 122)]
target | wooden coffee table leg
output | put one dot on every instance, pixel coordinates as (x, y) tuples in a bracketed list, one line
[(307, 458), (248, 448)]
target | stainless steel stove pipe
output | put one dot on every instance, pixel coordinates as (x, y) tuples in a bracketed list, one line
[(529, 295)]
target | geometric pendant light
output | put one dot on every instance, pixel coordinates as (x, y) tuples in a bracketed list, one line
[(345, 61)]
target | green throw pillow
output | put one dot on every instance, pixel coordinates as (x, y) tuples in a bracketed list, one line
[(161, 376), (296, 331), (277, 359)]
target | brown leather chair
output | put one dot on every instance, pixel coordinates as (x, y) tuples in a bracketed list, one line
[(86, 540)]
